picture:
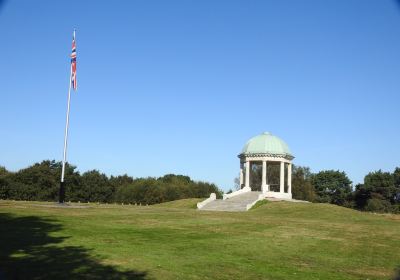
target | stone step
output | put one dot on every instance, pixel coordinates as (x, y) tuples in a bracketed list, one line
[(236, 203)]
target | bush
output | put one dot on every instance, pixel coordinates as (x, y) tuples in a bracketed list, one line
[(167, 188), (41, 182), (378, 206)]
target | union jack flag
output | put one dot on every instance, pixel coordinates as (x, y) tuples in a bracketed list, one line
[(73, 63)]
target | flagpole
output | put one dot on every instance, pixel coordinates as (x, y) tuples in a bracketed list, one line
[(62, 183)]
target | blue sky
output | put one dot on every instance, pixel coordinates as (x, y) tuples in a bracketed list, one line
[(180, 86)]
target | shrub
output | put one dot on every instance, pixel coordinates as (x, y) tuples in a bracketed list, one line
[(378, 205)]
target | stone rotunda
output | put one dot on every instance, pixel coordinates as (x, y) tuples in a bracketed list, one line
[(266, 166), (265, 172)]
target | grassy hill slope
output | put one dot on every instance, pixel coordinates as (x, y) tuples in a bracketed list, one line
[(278, 240)]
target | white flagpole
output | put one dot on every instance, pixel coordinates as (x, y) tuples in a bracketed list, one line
[(66, 129), (62, 184), (62, 188)]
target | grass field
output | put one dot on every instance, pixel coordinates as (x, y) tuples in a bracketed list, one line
[(277, 240)]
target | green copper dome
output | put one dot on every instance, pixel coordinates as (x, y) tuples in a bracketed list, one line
[(266, 144)]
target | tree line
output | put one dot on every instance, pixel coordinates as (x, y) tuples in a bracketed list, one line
[(40, 182), (380, 191)]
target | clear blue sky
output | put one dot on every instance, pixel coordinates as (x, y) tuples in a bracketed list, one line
[(180, 86)]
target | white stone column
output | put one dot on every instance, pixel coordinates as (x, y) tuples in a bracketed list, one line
[(264, 177), (289, 178), (247, 182), (241, 176), (282, 178)]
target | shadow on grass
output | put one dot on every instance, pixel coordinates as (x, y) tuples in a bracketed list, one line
[(397, 274), (27, 251)]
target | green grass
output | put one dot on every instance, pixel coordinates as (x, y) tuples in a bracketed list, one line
[(259, 204), (276, 240)]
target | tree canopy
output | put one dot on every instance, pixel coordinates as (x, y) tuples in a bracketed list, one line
[(332, 186), (302, 187), (380, 191), (41, 182)]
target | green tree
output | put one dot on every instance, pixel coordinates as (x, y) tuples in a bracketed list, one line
[(121, 180), (380, 192), (41, 182), (176, 179), (361, 196), (166, 188), (332, 186), (72, 182), (4, 184), (302, 188), (396, 177), (3, 172), (96, 187), (204, 189), (377, 204), (382, 183), (37, 182)]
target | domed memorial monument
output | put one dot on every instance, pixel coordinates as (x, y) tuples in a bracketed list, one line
[(266, 166), (265, 172)]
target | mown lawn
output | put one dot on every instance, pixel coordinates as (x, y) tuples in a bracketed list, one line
[(277, 240)]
